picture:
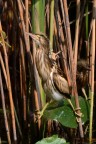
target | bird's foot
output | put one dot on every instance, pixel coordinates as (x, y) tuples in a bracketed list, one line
[(38, 114), (78, 114)]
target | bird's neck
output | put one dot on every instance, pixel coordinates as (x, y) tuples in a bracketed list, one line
[(43, 64)]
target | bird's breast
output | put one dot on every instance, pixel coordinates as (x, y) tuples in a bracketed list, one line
[(51, 92)]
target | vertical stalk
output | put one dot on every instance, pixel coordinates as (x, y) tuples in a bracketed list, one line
[(3, 69), (26, 16), (92, 71), (38, 16), (71, 60), (76, 35), (38, 26), (58, 32), (9, 88), (51, 25), (23, 80), (14, 40), (29, 55), (86, 18), (27, 20), (4, 110), (75, 61)]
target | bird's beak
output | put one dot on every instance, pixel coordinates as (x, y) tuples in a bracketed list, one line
[(34, 37)]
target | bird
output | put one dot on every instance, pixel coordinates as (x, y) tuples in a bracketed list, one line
[(54, 84), (83, 69)]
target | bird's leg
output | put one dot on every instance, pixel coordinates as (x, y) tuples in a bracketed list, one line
[(83, 90), (71, 104), (77, 115), (40, 113)]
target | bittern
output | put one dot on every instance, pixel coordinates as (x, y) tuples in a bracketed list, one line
[(82, 75), (55, 86)]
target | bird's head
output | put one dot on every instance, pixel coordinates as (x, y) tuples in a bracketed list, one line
[(82, 65), (41, 40)]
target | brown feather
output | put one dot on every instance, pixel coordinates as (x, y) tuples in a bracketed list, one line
[(61, 84)]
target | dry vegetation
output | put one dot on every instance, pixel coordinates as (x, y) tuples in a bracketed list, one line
[(70, 26)]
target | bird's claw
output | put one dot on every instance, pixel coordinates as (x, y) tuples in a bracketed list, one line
[(38, 115), (55, 56)]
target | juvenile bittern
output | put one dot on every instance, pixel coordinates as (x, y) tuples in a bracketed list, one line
[(55, 86)]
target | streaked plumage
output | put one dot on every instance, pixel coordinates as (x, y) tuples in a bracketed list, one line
[(55, 86), (42, 60)]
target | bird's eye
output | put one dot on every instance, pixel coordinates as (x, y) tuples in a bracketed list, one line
[(39, 38)]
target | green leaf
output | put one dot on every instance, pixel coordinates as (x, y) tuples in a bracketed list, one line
[(52, 140), (63, 112)]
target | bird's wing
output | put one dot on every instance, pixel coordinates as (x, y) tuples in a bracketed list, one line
[(61, 84)]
